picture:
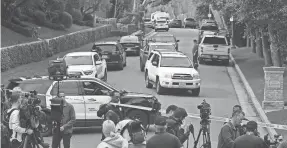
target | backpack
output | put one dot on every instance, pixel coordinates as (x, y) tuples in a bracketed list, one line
[(136, 131), (6, 118)]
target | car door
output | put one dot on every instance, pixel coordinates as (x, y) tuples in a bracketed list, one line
[(153, 69), (94, 94), (73, 96), (99, 67), (148, 62)]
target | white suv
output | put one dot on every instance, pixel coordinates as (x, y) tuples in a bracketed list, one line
[(87, 64), (167, 69), (161, 25)]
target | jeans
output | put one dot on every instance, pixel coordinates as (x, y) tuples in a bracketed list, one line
[(16, 144), (57, 137)]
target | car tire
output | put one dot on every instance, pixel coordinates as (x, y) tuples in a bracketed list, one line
[(226, 62), (121, 65), (200, 60), (125, 64), (159, 89), (47, 129), (195, 92), (139, 114), (147, 81), (105, 78), (141, 66)]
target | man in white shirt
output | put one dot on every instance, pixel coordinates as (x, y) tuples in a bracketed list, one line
[(14, 121)]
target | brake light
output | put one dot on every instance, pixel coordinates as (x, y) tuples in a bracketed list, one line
[(228, 50)]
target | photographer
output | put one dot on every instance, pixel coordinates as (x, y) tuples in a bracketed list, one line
[(174, 123), (228, 132), (170, 110), (67, 123), (250, 139), (14, 121), (195, 51)]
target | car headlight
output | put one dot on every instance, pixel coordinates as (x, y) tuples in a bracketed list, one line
[(167, 75), (196, 76), (88, 72)]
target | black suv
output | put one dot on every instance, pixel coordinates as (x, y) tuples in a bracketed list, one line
[(112, 52), (86, 95)]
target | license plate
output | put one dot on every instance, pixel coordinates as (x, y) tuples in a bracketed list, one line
[(105, 57), (215, 56), (181, 84)]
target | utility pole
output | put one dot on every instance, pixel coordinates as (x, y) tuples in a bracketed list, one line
[(232, 29)]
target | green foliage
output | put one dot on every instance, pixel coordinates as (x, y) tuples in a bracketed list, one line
[(66, 19), (40, 17), (77, 15)]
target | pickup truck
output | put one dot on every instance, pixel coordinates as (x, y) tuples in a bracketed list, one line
[(214, 48)]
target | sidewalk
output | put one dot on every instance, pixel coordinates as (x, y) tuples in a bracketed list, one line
[(252, 68)]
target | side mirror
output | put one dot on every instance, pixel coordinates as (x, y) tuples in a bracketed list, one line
[(99, 62), (154, 63), (177, 40)]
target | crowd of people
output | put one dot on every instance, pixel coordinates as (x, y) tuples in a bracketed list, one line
[(125, 132)]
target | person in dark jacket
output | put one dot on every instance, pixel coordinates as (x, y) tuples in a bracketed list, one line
[(162, 139), (195, 51), (250, 140), (174, 123), (170, 110), (229, 132)]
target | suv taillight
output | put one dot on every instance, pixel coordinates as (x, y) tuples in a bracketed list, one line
[(228, 50)]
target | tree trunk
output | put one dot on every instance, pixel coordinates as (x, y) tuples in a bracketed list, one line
[(259, 50), (247, 41), (253, 43), (266, 48), (115, 9), (275, 51)]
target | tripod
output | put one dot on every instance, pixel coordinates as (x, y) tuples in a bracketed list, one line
[(205, 131)]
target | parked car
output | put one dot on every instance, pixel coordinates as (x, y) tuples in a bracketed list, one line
[(161, 25), (175, 23), (208, 22), (86, 64), (145, 52), (165, 38), (86, 95), (148, 22), (207, 29), (171, 70), (131, 44), (214, 48), (190, 23), (113, 52)]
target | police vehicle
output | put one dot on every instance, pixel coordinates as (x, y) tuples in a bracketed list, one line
[(86, 95)]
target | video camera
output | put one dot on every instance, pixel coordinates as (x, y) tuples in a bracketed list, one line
[(275, 142), (32, 98), (57, 69), (205, 110)]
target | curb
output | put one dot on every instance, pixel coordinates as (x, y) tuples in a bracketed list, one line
[(253, 98)]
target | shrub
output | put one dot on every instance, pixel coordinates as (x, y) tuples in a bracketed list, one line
[(55, 26), (88, 17), (17, 28), (66, 19), (80, 23), (89, 23), (77, 15), (40, 17)]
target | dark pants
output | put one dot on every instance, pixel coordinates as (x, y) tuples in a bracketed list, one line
[(195, 56), (58, 137), (16, 144)]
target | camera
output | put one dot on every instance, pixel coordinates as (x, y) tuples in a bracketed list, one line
[(205, 110)]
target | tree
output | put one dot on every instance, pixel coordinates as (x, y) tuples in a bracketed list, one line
[(8, 8)]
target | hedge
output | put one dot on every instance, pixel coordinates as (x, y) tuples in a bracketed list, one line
[(13, 56)]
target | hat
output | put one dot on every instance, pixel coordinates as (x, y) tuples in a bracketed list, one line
[(109, 127), (160, 121), (180, 112), (251, 125)]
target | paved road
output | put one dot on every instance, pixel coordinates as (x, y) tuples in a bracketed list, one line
[(216, 88)]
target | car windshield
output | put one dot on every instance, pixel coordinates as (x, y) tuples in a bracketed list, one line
[(147, 20), (164, 39), (79, 60), (168, 47), (214, 40), (107, 47), (190, 19), (213, 28), (126, 45), (175, 62), (161, 22)]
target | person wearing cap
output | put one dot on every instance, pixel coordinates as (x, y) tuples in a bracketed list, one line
[(229, 132), (112, 139), (250, 140), (14, 121), (162, 139), (195, 51), (240, 128), (174, 123), (68, 120)]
